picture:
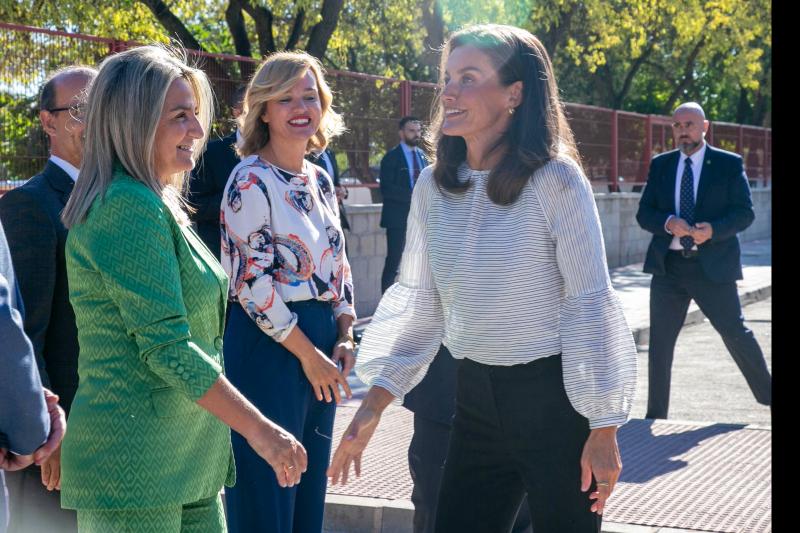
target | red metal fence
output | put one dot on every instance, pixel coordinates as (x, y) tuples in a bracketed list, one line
[(615, 146)]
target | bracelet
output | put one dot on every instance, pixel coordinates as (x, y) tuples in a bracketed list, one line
[(347, 337)]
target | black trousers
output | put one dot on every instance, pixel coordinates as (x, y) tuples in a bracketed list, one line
[(426, 456), (670, 295), (395, 242), (515, 431)]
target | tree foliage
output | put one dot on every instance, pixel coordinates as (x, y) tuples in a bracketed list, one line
[(638, 55)]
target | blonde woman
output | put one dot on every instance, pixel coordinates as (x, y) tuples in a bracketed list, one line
[(149, 445), (291, 292)]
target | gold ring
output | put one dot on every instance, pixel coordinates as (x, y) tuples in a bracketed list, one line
[(289, 467), (602, 484)]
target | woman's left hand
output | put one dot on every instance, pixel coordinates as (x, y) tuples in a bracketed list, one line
[(601, 458), (51, 470), (343, 351)]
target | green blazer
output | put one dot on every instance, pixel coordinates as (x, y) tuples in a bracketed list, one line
[(149, 301)]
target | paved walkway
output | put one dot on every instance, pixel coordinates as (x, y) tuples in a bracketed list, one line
[(678, 475)]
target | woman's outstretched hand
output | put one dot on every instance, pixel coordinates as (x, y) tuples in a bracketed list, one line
[(357, 435)]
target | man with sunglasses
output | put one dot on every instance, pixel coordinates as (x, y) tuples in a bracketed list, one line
[(30, 215), (696, 200)]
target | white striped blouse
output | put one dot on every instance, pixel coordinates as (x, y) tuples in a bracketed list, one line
[(506, 285)]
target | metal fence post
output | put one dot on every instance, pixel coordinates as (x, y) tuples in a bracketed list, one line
[(766, 168), (648, 146), (405, 98), (613, 185)]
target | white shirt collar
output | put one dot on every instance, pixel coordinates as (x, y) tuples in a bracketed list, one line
[(407, 148), (71, 171), (697, 157)]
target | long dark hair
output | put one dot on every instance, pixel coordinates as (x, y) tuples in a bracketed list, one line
[(538, 130)]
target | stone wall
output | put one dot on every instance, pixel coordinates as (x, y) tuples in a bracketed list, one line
[(625, 241)]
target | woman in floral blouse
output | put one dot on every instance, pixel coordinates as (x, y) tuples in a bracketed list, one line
[(288, 342)]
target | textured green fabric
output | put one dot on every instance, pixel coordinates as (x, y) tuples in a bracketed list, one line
[(149, 301), (204, 516)]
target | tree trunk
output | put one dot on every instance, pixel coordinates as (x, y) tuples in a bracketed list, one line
[(241, 42), (434, 37), (263, 19), (619, 98), (214, 69), (297, 29), (322, 32), (687, 79)]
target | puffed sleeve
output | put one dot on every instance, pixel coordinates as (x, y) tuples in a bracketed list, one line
[(132, 245), (406, 329), (598, 351), (248, 251)]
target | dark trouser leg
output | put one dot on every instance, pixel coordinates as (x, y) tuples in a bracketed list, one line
[(720, 303), (273, 379), (395, 242), (510, 424), (481, 488), (33, 508), (669, 302), (309, 507), (546, 437), (426, 455)]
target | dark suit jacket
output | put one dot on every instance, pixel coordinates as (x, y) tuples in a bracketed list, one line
[(434, 398), (24, 422), (207, 182), (395, 188), (723, 200), (332, 157), (31, 217)]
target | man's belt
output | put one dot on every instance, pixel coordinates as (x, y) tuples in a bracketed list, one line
[(686, 254)]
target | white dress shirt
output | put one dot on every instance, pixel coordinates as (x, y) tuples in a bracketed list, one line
[(71, 171), (697, 169), (506, 285)]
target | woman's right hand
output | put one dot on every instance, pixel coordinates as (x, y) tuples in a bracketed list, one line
[(324, 376), (358, 433), (282, 451)]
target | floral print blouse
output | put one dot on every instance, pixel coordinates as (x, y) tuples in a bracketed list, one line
[(282, 242)]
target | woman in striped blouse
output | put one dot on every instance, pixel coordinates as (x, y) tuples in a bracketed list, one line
[(288, 341), (505, 264)]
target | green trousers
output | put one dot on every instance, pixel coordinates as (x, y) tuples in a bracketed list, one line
[(202, 516)]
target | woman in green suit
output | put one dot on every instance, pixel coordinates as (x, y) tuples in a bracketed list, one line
[(149, 443)]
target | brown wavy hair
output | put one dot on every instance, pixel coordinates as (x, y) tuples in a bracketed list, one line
[(538, 130), (275, 78)]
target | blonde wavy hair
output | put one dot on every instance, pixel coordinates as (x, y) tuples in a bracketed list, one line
[(123, 107), (274, 79)]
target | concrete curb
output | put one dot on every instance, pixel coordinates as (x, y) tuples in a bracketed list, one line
[(357, 514), (695, 316)]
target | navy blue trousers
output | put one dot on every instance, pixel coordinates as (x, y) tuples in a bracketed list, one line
[(272, 378), (670, 296)]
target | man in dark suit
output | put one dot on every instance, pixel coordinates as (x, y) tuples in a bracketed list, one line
[(327, 161), (400, 168), (31, 216), (27, 416), (433, 402), (208, 180), (696, 200)]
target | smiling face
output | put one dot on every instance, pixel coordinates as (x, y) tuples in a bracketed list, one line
[(295, 116), (177, 132), (475, 103)]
